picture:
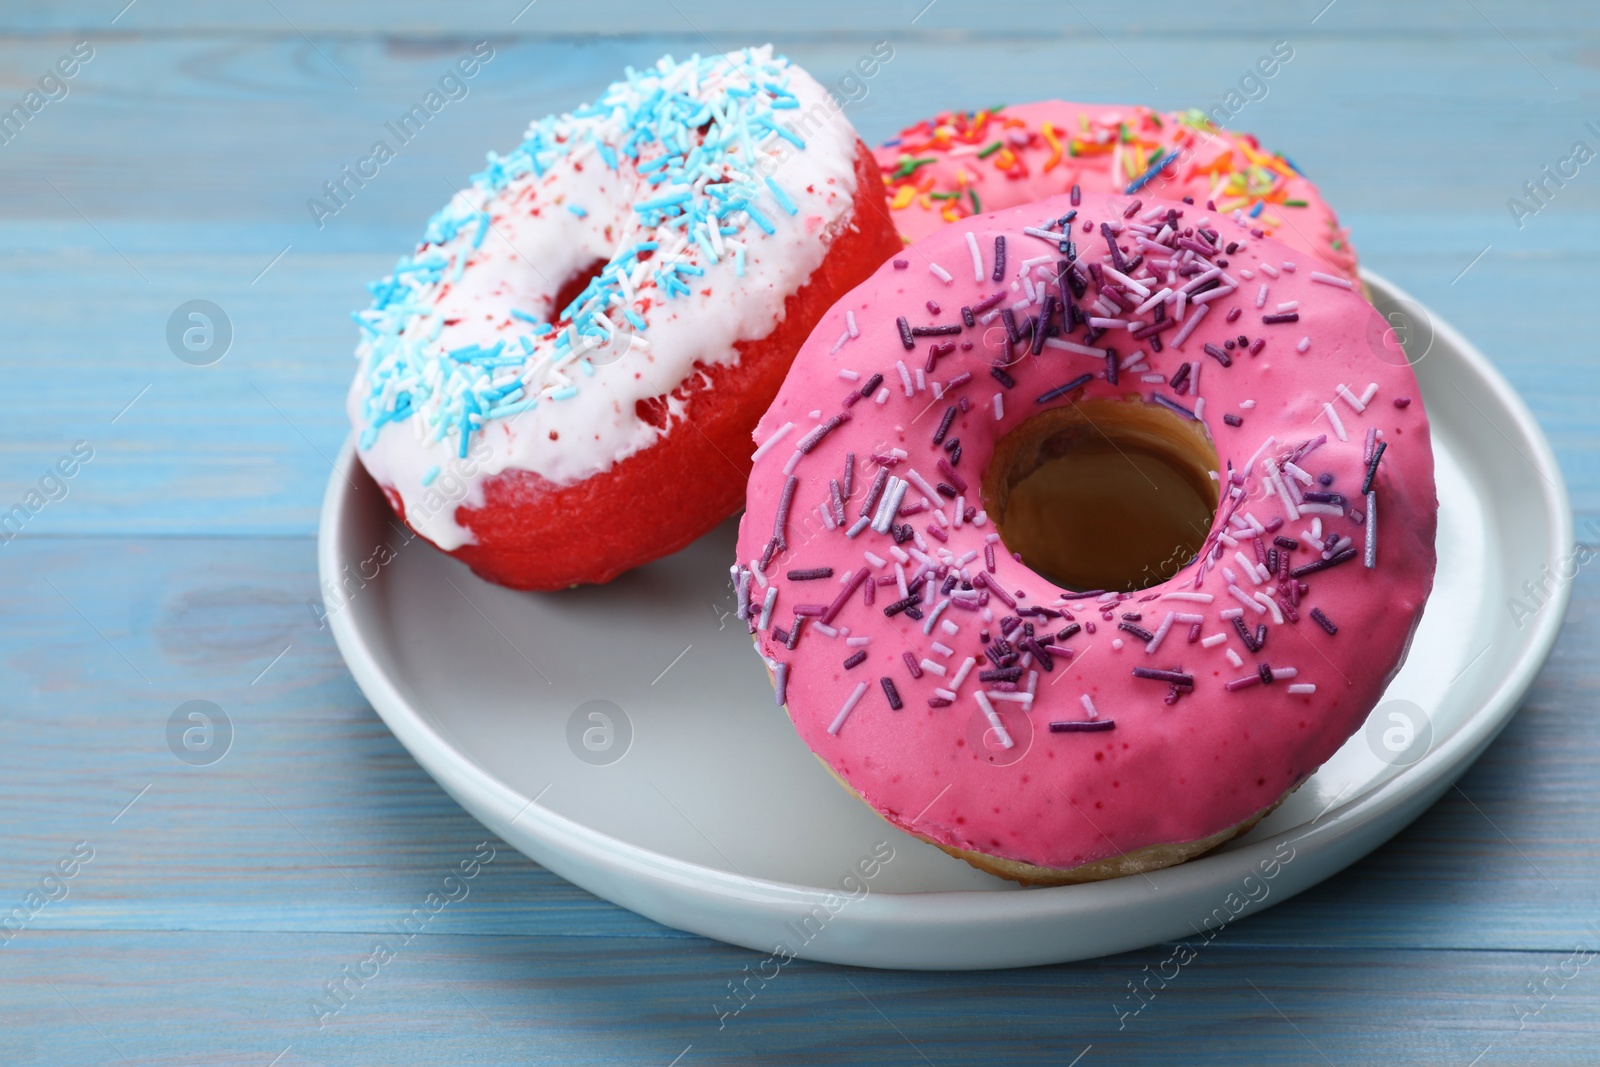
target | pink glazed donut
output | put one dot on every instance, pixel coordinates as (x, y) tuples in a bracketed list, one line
[(1079, 536)]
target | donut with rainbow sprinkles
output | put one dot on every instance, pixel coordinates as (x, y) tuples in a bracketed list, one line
[(960, 163), (1083, 532)]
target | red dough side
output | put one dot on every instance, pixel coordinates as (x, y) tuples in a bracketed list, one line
[(532, 534)]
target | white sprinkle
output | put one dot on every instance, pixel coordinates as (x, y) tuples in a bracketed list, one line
[(947, 694), (943, 649), (1283, 674), (1351, 399), (940, 273), (962, 672), (1196, 598), (1230, 613), (1161, 633), (1326, 279), (1200, 413), (1272, 606), (928, 623), (1289, 305), (977, 257), (777, 435), (1269, 270), (922, 381), (905, 377), (1000, 404), (1303, 688), (1015, 698), (766, 607), (922, 484), (1213, 641), (1261, 295), (883, 395), (858, 642), (949, 627), (1246, 405), (840, 343), (1233, 657), (961, 511), (1116, 643), (994, 720), (932, 667), (1189, 326), (1152, 378), (1305, 343), (1288, 265), (816, 413), (1088, 706), (849, 375), (1333, 417), (850, 324), (1074, 347), (849, 705), (1246, 599), (1371, 391), (794, 461), (824, 629)]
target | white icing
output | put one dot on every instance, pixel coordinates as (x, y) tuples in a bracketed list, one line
[(523, 259)]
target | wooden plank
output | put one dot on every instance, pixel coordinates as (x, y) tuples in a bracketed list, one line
[(696, 18), (317, 820), (184, 998)]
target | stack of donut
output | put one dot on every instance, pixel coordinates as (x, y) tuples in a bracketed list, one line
[(560, 382), (901, 562)]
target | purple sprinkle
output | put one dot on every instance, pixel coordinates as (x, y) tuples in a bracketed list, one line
[(780, 683), (1136, 630), (809, 574), (1323, 564), (1173, 405), (999, 259), (950, 473), (988, 302), (1257, 345), (781, 520), (856, 660), (1233, 313), (892, 693), (871, 503), (938, 702), (935, 331), (1156, 674), (1321, 619), (959, 380), (1002, 377), (810, 610), (967, 318), (794, 634), (1194, 632), (849, 474), (900, 264), (1372, 467), (933, 308), (1264, 670), (812, 439), (1245, 635), (1218, 354), (1242, 683), (911, 664), (1077, 196), (1082, 726), (1402, 401), (944, 424), (872, 385), (1062, 390), (1232, 419), (905, 333)]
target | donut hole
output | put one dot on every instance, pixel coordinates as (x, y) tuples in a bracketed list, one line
[(1105, 494), (575, 284)]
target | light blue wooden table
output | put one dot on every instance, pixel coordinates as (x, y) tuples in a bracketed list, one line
[(207, 907)]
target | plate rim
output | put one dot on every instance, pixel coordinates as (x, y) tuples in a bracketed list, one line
[(582, 854)]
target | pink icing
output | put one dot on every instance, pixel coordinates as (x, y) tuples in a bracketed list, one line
[(1209, 157), (1164, 773)]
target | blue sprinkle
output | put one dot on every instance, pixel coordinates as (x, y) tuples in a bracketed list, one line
[(565, 393), (1257, 209), (759, 219), (429, 476), (525, 317), (637, 319), (578, 211), (782, 198)]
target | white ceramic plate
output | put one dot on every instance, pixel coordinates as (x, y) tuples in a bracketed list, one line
[(690, 800)]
